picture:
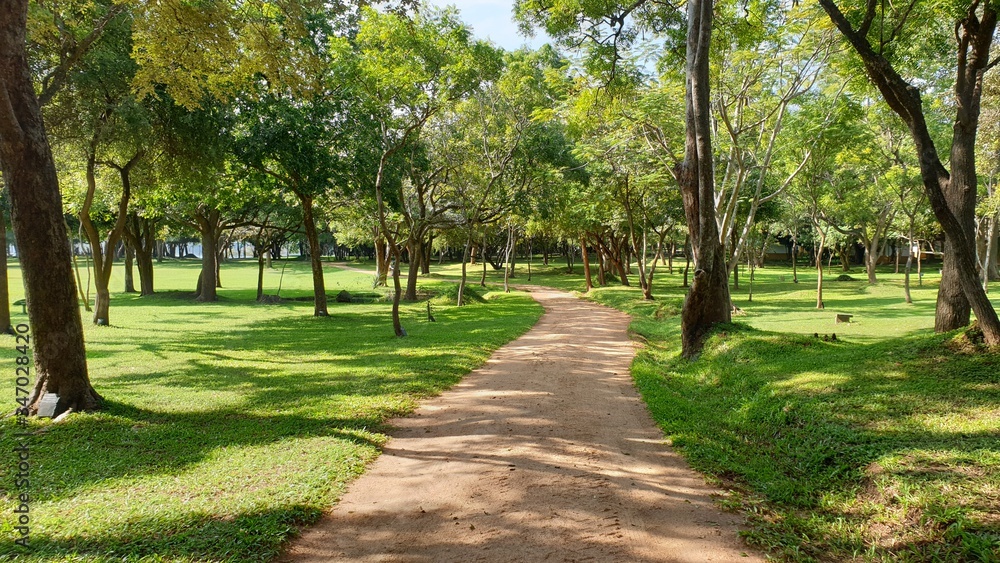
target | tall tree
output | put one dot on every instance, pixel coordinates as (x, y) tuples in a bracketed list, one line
[(36, 212), (410, 70), (608, 29), (952, 194)]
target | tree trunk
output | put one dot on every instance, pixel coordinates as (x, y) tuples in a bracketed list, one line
[(397, 326), (315, 256), (140, 235), (949, 194), (707, 302), (428, 250), (992, 267), (507, 258), (208, 227), (129, 269), (415, 249), (819, 269), (586, 264), (465, 261), (104, 257), (5, 326), (60, 359), (795, 261), (909, 263), (871, 260), (482, 280), (260, 276), (381, 262), (687, 260)]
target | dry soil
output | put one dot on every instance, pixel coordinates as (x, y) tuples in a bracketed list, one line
[(546, 453)]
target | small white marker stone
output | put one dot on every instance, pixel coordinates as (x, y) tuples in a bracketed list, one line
[(47, 406)]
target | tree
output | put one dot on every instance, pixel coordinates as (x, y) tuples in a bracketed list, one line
[(36, 211), (409, 71), (606, 28), (951, 194), (297, 143)]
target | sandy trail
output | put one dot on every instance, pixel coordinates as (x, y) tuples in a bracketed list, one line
[(546, 453)]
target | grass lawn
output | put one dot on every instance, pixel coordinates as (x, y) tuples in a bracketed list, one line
[(883, 445), (229, 425)]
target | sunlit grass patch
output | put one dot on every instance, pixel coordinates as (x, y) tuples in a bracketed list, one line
[(229, 425)]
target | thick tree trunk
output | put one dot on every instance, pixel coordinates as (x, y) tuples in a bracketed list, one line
[(129, 269), (60, 360), (5, 326), (425, 262), (208, 227), (139, 233), (871, 261), (381, 263), (315, 257), (707, 302)]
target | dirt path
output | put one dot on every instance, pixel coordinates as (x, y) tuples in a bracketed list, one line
[(546, 453)]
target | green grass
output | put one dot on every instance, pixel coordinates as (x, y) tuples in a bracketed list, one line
[(883, 445), (230, 425)]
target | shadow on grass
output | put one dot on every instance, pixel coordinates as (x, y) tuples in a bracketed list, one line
[(193, 537), (818, 429)]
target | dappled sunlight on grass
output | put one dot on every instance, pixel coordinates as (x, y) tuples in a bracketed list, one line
[(229, 424)]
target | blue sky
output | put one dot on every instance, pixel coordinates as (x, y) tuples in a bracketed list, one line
[(493, 19)]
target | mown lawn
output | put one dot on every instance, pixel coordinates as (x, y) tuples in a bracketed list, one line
[(882, 445), (230, 425)]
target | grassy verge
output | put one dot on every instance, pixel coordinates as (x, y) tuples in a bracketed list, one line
[(229, 425), (881, 445)]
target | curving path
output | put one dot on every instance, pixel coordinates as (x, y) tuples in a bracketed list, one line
[(546, 453)]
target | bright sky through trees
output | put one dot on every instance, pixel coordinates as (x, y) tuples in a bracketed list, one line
[(494, 19)]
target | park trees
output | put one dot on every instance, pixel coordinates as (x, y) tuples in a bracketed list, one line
[(877, 33), (608, 29), (96, 119), (409, 70), (297, 144)]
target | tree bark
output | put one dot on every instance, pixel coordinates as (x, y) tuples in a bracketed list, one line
[(381, 262), (5, 326), (909, 262), (140, 235), (315, 257), (415, 248), (129, 269), (104, 257), (60, 359), (707, 302), (208, 228), (819, 267)]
